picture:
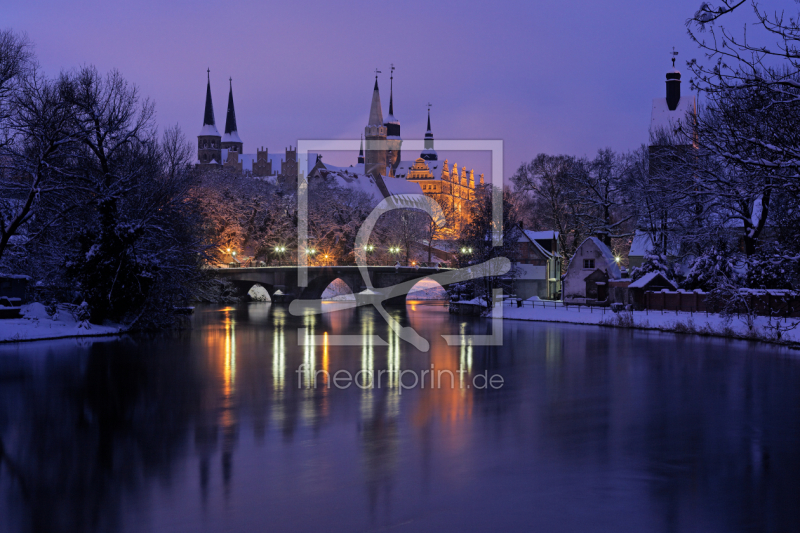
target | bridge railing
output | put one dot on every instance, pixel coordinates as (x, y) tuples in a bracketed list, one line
[(262, 264)]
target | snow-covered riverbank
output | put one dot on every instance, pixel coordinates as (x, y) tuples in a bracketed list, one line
[(36, 324), (762, 328)]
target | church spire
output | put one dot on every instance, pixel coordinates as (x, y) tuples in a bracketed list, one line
[(375, 111), (209, 124), (375, 134), (391, 95), (361, 152), (231, 138), (230, 120), (429, 154)]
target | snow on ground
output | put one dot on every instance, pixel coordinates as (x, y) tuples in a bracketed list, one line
[(711, 324), (37, 324)]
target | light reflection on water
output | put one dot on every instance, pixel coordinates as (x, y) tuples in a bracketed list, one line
[(595, 429)]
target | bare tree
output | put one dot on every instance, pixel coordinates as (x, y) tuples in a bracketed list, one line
[(548, 178), (600, 192), (36, 149)]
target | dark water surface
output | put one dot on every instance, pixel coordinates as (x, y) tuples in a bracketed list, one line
[(594, 429)]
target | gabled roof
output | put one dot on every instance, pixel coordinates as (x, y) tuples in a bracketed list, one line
[(532, 236), (642, 243), (435, 167), (648, 278), (612, 267), (542, 235)]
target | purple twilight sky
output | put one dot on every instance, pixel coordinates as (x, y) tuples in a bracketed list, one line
[(545, 76)]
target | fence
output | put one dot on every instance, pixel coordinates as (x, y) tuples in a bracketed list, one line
[(555, 304), (762, 302)]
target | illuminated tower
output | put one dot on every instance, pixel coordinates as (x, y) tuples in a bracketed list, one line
[(375, 134), (208, 141)]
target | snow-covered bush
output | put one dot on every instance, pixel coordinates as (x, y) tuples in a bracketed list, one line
[(772, 270), (654, 263), (714, 266)]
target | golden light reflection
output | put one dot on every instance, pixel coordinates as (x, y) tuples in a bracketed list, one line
[(367, 369), (393, 360), (465, 361), (229, 370), (325, 358), (278, 350), (309, 350), (448, 393)]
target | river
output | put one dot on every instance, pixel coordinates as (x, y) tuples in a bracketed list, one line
[(213, 429)]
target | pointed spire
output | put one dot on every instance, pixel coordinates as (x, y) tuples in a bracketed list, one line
[(209, 115), (230, 120), (429, 153), (209, 124), (391, 94), (361, 152), (375, 112)]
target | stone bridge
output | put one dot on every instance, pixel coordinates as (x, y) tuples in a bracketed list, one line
[(285, 279)]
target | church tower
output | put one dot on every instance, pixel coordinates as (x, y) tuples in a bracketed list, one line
[(361, 152), (208, 141), (375, 134), (393, 141), (429, 154), (231, 140)]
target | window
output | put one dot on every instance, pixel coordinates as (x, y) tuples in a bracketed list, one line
[(588, 263)]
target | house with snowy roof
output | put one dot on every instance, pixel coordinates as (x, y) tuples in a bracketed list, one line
[(537, 271), (591, 268)]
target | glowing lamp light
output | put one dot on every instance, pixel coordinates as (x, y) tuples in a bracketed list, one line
[(616, 259)]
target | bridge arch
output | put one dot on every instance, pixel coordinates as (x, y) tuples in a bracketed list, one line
[(319, 283), (427, 289), (338, 289)]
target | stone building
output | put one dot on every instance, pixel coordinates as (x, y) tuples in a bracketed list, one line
[(379, 157), (227, 150)]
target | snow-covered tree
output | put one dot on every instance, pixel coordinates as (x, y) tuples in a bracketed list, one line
[(715, 266), (548, 179), (476, 245), (599, 189)]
